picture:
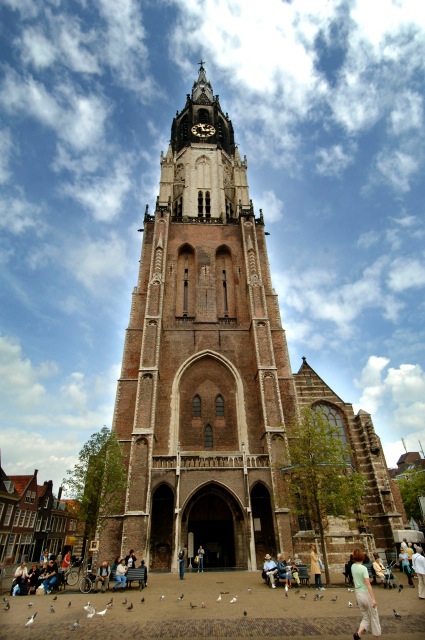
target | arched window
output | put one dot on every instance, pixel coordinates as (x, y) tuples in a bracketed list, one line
[(203, 116), (208, 437), (207, 205), (196, 407), (200, 204), (333, 417), (219, 406)]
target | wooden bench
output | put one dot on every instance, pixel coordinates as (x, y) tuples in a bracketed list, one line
[(303, 575), (138, 574)]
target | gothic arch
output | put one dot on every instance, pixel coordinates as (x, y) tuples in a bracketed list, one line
[(162, 522), (241, 426), (263, 518), (215, 516)]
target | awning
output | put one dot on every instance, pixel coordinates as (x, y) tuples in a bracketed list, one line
[(409, 534)]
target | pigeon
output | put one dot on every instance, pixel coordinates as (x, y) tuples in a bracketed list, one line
[(75, 625), (31, 620), (249, 590), (55, 598), (101, 613), (90, 611), (350, 590), (350, 604), (181, 597), (161, 598), (286, 590), (203, 606), (219, 598), (30, 604), (87, 607), (245, 613), (69, 604), (396, 615), (334, 599), (192, 606), (7, 607), (5, 599), (52, 609), (298, 591), (303, 597), (125, 601), (142, 600), (233, 600), (130, 607), (400, 588)]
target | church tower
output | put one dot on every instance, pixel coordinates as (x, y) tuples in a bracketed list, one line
[(206, 392)]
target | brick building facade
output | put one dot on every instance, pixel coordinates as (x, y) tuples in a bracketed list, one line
[(206, 395)]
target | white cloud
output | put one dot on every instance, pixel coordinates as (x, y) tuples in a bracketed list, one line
[(18, 379), (77, 119), (103, 196), (406, 273), (95, 263), (334, 160), (368, 239), (5, 153), (397, 168), (407, 113), (271, 206), (398, 391), (17, 215)]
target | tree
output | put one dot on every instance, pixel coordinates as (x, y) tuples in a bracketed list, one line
[(412, 486), (97, 480), (323, 481)]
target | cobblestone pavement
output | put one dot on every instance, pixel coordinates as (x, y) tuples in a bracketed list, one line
[(269, 614)]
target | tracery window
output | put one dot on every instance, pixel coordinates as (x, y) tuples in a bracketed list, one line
[(333, 417)]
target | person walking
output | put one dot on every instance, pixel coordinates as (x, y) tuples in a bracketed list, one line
[(365, 597), (418, 561), (201, 553), (181, 564)]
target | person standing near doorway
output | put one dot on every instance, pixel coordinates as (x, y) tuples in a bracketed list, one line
[(201, 553), (181, 564)]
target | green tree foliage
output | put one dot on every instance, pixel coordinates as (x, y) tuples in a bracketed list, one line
[(412, 486), (322, 479), (97, 480)]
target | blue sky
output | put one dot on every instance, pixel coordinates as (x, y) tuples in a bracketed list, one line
[(327, 103)]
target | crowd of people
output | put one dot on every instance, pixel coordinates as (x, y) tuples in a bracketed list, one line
[(45, 576)]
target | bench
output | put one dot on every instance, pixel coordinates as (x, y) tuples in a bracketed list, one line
[(303, 575), (138, 574)]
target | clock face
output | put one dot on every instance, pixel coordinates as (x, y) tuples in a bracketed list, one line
[(203, 130)]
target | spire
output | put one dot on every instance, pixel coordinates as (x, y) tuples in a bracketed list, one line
[(201, 87)]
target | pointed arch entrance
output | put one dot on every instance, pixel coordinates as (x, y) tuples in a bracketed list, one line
[(216, 520)]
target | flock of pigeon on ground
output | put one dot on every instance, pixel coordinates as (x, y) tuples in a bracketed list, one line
[(91, 611)]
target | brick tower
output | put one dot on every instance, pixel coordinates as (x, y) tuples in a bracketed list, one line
[(206, 390)]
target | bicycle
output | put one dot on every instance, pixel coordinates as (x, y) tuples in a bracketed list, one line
[(72, 575), (87, 582)]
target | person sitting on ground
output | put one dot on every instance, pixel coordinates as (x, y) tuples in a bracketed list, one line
[(379, 567), (120, 576), (103, 574), (283, 569), (51, 577), (269, 570)]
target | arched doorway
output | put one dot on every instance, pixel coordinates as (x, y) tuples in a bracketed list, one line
[(161, 542), (216, 521)]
